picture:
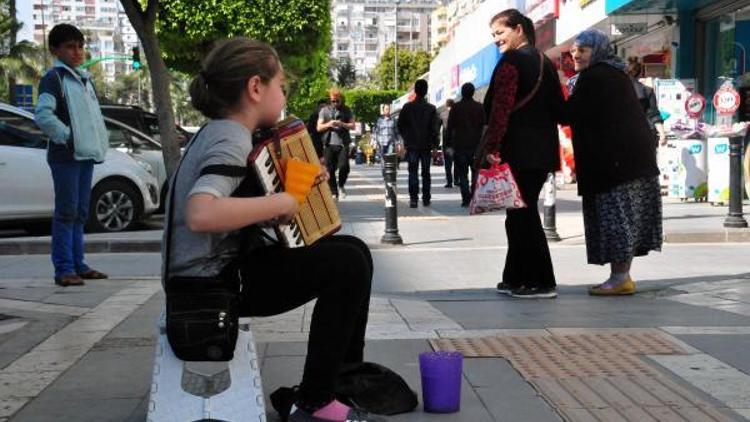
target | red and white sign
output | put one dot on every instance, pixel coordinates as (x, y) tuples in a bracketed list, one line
[(694, 105), (540, 10), (727, 99)]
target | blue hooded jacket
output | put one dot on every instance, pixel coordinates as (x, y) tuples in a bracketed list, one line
[(68, 112)]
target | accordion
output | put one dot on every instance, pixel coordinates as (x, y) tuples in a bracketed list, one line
[(318, 216)]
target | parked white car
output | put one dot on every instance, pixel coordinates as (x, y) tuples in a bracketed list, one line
[(124, 189), (141, 147)]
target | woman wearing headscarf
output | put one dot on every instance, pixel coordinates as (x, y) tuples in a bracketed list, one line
[(522, 109), (615, 163)]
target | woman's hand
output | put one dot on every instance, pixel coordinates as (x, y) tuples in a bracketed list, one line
[(493, 159)]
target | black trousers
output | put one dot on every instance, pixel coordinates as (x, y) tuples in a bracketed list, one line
[(464, 158), (338, 272), (528, 262), (337, 158), (417, 158)]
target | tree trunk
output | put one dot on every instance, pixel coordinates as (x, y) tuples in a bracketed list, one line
[(144, 23), (13, 40)]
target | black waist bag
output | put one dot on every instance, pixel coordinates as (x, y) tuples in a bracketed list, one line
[(203, 317)]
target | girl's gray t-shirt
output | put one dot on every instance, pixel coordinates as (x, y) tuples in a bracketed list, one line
[(220, 142)]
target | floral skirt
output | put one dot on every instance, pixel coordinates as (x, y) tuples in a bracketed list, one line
[(624, 222)]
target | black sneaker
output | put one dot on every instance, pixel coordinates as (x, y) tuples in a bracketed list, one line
[(448, 185), (524, 292), (426, 202), (354, 415), (413, 204), (464, 204), (504, 288)]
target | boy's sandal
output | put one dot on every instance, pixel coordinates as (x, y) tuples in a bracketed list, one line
[(92, 275)]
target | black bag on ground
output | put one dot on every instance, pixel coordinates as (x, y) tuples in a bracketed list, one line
[(202, 317), (367, 386)]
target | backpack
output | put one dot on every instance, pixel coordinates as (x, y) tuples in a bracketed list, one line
[(366, 385)]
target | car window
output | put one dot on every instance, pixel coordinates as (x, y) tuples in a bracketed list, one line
[(20, 131), (152, 126), (121, 137)]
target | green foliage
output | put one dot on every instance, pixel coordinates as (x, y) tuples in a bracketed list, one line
[(343, 72), (411, 65), (365, 103), (300, 30)]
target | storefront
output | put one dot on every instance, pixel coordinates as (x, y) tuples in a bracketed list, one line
[(705, 41)]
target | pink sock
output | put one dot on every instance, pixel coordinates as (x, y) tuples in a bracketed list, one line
[(333, 411)]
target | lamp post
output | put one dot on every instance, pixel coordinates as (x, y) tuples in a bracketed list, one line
[(395, 51)]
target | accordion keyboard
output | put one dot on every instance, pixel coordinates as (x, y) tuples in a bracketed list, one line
[(290, 234)]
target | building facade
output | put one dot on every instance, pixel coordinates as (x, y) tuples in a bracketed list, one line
[(363, 29), (106, 27)]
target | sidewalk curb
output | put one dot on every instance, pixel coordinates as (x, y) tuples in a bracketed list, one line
[(42, 246)]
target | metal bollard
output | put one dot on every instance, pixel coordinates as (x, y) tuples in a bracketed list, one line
[(734, 216), (550, 217), (390, 167)]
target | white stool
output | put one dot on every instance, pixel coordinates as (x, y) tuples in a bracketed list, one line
[(198, 391)]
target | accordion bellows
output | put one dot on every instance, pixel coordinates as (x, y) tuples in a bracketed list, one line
[(318, 215)]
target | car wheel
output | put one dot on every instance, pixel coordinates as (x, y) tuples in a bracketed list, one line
[(115, 206)]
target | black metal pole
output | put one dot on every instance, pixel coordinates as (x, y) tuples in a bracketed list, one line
[(390, 167), (734, 216), (550, 209)]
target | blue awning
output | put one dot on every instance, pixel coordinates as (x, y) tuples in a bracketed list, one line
[(653, 6)]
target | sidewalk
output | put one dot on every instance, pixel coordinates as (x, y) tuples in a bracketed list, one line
[(684, 222), (674, 352)]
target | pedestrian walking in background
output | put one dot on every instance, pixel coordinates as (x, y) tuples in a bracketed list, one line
[(334, 124), (615, 163), (463, 132), (418, 125), (647, 98), (385, 133), (451, 173), (523, 106), (312, 128), (68, 113)]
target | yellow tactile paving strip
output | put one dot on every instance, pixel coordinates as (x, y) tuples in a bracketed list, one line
[(596, 377)]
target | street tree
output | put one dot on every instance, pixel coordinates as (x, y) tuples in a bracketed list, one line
[(19, 61), (143, 16), (411, 65), (365, 103), (300, 30), (344, 72)]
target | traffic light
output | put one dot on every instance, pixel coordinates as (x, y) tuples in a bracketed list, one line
[(136, 58)]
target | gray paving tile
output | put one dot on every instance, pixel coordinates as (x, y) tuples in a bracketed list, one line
[(507, 396), (56, 408), (730, 349), (119, 377), (581, 311)]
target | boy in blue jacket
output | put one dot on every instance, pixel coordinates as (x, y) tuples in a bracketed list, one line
[(68, 112)]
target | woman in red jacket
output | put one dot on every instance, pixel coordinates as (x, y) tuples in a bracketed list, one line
[(523, 106)]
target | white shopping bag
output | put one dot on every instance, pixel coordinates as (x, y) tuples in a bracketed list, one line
[(496, 189)]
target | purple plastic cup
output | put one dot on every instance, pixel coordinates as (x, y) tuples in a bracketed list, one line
[(441, 381)]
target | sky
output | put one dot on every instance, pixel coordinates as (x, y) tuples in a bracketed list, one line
[(25, 16)]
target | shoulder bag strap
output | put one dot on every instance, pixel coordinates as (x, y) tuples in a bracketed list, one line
[(533, 92), (170, 214)]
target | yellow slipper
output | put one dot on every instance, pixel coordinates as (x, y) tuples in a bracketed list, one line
[(627, 287)]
